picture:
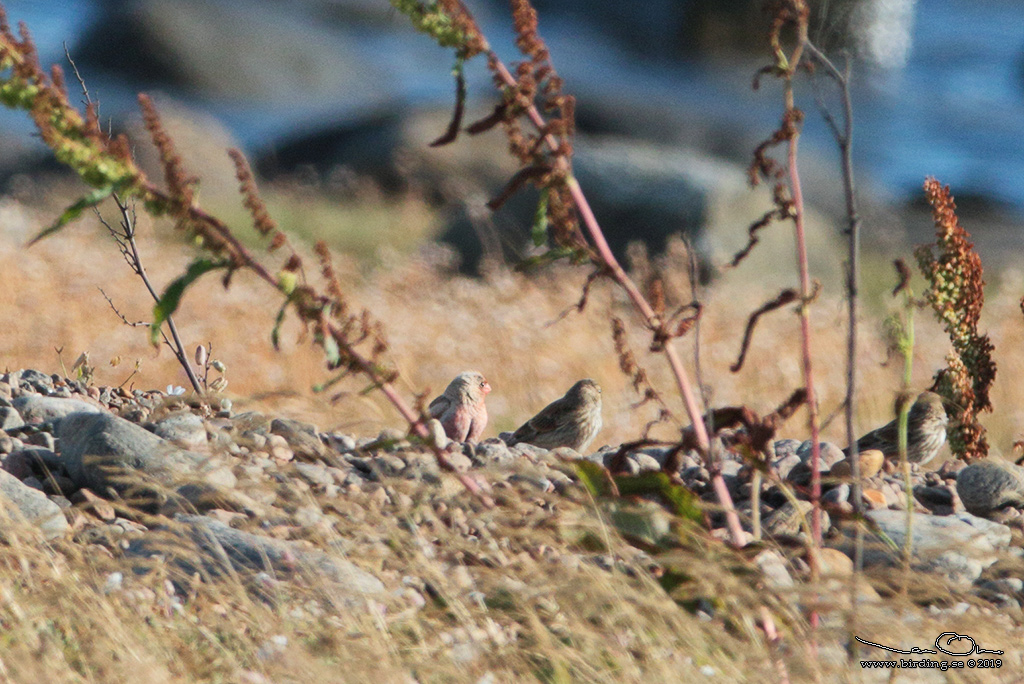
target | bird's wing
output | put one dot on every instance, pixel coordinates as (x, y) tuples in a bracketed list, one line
[(545, 421), (439, 406), (882, 438)]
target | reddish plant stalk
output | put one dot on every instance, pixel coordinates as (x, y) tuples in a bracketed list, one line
[(651, 318), (805, 314), (805, 339), (805, 317)]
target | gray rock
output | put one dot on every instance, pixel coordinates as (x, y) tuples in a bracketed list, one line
[(36, 409), (303, 438), (773, 565), (389, 464), (787, 521), (42, 439), (37, 379), (528, 450), (625, 466), (424, 467), (1014, 586), (24, 462), (251, 422), (785, 465), (659, 454), (785, 448), (731, 468), (100, 450), (562, 454), (21, 501), (492, 451), (184, 428), (533, 479), (314, 474), (10, 418), (934, 496), (645, 463), (343, 443), (830, 454), (800, 474), (989, 485), (437, 433), (561, 481), (958, 546), (224, 549), (206, 42), (457, 460), (389, 439), (696, 474), (836, 495)]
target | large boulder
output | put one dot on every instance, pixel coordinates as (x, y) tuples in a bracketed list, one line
[(103, 452), (958, 547), (35, 408), (990, 485), (223, 550)]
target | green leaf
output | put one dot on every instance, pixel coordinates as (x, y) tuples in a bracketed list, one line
[(76, 209), (594, 477), (168, 303), (648, 525), (546, 258), (275, 334), (330, 382), (673, 579), (540, 219), (332, 351), (683, 501)]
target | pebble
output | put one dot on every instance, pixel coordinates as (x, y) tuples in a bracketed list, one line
[(870, 464)]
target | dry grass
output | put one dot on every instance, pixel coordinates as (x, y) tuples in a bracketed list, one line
[(506, 325), (542, 618)]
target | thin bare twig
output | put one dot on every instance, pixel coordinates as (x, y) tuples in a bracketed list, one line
[(81, 81), (844, 140), (113, 307), (130, 250)]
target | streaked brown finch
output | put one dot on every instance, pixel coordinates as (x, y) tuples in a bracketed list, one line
[(572, 421), (926, 431)]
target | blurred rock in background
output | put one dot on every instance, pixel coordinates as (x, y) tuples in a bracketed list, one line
[(343, 93)]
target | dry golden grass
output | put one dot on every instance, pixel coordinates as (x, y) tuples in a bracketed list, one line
[(506, 325)]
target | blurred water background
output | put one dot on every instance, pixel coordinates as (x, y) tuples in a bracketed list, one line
[(938, 84)]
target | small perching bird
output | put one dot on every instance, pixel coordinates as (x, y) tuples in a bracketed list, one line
[(461, 408), (926, 431), (572, 421)]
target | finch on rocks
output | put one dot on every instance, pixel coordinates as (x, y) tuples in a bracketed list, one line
[(572, 421), (926, 431), (461, 408)]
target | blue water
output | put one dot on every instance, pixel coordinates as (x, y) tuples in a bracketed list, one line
[(956, 110)]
